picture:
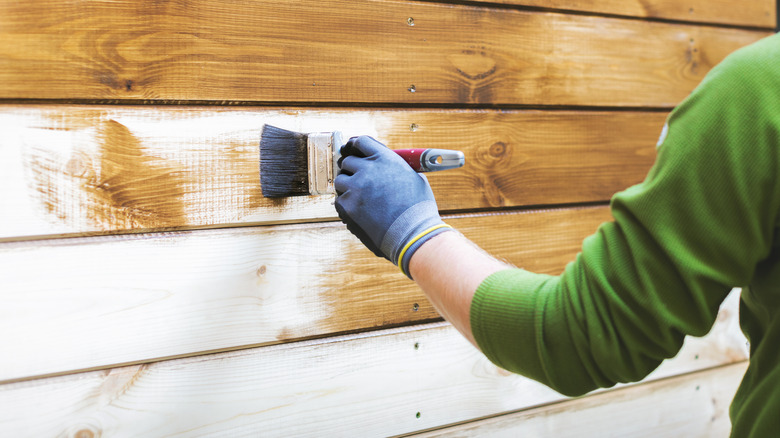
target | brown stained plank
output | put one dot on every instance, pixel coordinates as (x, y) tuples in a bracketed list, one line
[(69, 170), (313, 51), (97, 301), (539, 157), (376, 384), (693, 405), (751, 13)]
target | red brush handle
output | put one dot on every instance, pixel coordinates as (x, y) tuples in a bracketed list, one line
[(411, 156)]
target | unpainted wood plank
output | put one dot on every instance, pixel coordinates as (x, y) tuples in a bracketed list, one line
[(378, 384), (81, 303), (377, 51), (751, 13), (70, 170), (689, 406)]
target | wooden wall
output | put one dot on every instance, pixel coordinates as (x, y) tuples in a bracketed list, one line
[(148, 289)]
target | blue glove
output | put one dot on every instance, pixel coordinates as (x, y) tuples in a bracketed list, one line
[(385, 203)]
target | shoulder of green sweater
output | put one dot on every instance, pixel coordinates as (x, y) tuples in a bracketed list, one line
[(753, 68), (760, 53), (743, 89)]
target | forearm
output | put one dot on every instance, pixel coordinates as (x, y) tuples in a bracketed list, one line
[(449, 268)]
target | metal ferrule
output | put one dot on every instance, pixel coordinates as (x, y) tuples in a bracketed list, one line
[(323, 168)]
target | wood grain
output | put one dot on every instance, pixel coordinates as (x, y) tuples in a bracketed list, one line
[(313, 51), (752, 13), (70, 170), (69, 304), (378, 384), (693, 405)]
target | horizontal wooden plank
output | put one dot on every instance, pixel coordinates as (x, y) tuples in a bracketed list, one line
[(693, 405), (379, 384), (81, 303), (377, 51), (69, 170), (752, 13)]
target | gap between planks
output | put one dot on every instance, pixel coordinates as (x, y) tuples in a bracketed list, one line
[(517, 5), (594, 397), (328, 105), (302, 342), (322, 222)]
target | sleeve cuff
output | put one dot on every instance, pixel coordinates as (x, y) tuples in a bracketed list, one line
[(506, 320)]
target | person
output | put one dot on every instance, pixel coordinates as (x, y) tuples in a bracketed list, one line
[(704, 220)]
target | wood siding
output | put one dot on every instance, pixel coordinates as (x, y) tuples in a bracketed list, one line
[(384, 383), (148, 289)]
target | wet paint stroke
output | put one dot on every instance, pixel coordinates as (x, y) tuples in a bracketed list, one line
[(119, 187), (368, 290), (105, 170), (131, 189)]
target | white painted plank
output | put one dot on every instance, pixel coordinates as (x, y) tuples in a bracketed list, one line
[(689, 406), (86, 303), (203, 165), (95, 302), (378, 384)]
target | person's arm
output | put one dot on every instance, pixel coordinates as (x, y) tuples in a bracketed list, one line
[(391, 209), (699, 224), (449, 268)]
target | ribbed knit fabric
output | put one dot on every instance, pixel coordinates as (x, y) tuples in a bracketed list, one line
[(704, 220)]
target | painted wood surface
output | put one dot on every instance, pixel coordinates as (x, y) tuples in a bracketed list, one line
[(231, 331), (69, 304), (690, 406), (70, 170), (378, 384), (752, 13), (377, 51)]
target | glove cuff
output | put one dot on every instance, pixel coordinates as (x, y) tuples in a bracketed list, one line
[(405, 255), (409, 224)]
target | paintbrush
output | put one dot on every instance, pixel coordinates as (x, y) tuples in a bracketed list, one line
[(296, 164)]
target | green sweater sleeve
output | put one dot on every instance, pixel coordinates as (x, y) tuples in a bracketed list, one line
[(696, 227)]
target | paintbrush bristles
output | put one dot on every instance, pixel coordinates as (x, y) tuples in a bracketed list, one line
[(284, 163)]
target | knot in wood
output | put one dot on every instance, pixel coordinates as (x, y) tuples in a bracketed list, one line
[(474, 65), (497, 149), (488, 157), (87, 432)]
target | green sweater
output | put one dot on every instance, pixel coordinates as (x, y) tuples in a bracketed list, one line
[(704, 220)]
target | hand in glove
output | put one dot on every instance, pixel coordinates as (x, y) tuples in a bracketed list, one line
[(385, 203)]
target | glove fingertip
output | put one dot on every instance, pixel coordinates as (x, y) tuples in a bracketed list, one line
[(349, 148)]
